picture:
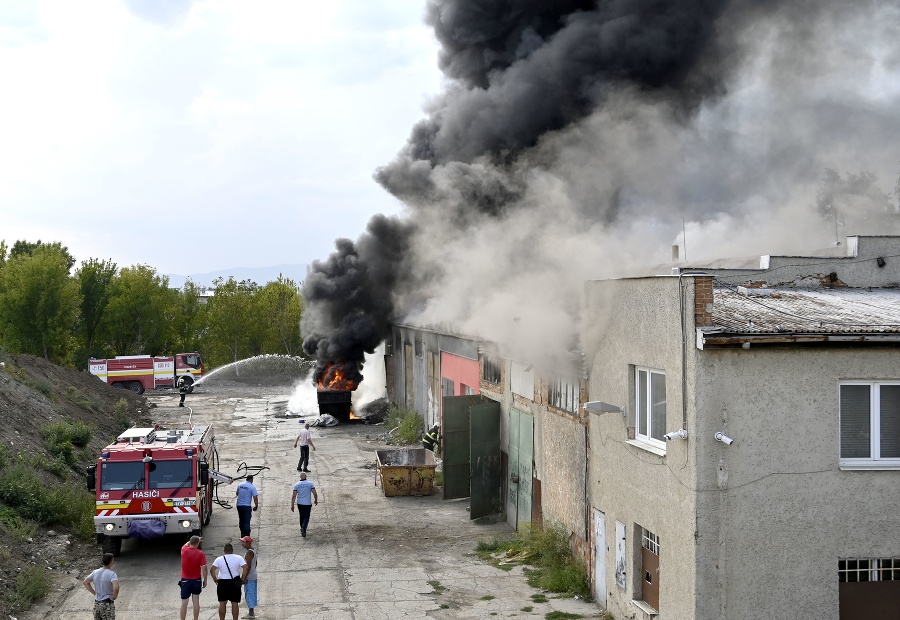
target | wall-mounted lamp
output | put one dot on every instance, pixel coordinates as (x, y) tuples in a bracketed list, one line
[(679, 434), (720, 436), (598, 406)]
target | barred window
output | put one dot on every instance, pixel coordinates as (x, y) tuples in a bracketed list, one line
[(650, 541), (869, 569), (491, 370), (564, 395)]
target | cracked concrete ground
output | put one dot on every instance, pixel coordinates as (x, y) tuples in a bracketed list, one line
[(366, 556)]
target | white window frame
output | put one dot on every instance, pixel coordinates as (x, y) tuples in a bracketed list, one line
[(638, 401), (874, 461)]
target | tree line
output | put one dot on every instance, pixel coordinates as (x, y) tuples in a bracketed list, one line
[(52, 309)]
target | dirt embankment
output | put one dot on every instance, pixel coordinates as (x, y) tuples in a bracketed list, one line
[(33, 395)]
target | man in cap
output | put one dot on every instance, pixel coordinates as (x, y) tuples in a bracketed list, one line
[(304, 497), (250, 591)]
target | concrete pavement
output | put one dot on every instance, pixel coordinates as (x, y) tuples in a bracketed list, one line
[(366, 556)]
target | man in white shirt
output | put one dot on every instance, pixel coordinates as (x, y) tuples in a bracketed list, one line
[(229, 571), (305, 441)]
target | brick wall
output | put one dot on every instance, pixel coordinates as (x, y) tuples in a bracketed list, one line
[(703, 301)]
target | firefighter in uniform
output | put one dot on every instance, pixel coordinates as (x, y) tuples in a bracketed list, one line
[(183, 389), (432, 439)]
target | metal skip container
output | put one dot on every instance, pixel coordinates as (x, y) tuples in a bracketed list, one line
[(405, 472)]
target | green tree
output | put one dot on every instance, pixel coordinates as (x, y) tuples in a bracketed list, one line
[(95, 278), (22, 248), (232, 324), (140, 313), (282, 306), (189, 318), (39, 302)]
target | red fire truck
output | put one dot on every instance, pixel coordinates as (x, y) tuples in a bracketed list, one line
[(154, 482), (144, 372)]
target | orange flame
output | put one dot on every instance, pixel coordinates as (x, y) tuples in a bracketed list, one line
[(333, 378)]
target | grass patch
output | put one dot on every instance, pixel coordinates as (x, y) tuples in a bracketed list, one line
[(438, 478), (16, 527), (561, 615), (438, 589), (527, 609), (32, 584), (408, 424), (539, 598), (546, 551), (488, 597), (69, 505), (120, 414)]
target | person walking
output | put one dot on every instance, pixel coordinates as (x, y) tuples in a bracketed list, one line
[(250, 584), (247, 495), (193, 575), (103, 583), (229, 571), (305, 441), (305, 497)]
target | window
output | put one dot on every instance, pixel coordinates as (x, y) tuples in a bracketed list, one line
[(650, 405), (490, 371), (650, 568), (870, 425), (170, 474), (884, 569), (564, 395), (449, 387), (466, 390), (121, 476), (192, 360), (420, 348)]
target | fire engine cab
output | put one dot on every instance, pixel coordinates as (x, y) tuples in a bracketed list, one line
[(144, 372), (153, 482)]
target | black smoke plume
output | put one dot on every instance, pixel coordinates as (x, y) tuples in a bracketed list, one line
[(579, 138)]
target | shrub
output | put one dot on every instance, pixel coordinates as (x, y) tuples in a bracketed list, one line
[(16, 527), (120, 414), (67, 505), (408, 424), (32, 584), (74, 433)]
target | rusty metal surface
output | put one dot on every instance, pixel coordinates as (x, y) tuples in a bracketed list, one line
[(807, 311)]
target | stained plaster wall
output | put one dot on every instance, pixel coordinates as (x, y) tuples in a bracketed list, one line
[(629, 323), (775, 512)]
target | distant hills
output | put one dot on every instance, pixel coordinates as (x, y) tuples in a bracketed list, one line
[(260, 275)]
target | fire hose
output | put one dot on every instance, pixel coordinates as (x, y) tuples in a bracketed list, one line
[(218, 477)]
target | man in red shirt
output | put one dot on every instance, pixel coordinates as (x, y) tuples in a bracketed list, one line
[(193, 570)]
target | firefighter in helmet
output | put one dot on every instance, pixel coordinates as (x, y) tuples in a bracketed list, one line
[(432, 439), (183, 389)]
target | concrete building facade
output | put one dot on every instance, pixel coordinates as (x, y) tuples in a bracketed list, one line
[(780, 501)]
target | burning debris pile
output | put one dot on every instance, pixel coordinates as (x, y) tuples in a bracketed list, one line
[(579, 138)]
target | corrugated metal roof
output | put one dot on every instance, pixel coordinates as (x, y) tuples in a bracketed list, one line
[(805, 311)]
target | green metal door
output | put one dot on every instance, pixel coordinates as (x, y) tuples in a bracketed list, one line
[(521, 456), (457, 449), (485, 454), (512, 485), (526, 471), (471, 435)]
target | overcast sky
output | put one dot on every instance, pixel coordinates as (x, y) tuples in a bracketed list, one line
[(200, 136)]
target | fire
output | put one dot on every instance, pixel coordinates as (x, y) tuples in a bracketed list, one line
[(334, 378)]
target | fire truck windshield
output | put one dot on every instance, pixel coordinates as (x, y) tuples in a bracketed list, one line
[(170, 474), (192, 360), (119, 476)]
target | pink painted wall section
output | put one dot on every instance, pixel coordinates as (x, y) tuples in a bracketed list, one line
[(462, 371)]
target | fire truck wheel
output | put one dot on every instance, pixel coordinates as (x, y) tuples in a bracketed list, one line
[(112, 545), (137, 387)]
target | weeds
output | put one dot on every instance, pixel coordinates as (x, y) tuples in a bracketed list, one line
[(546, 550), (561, 615), (25, 492), (436, 585), (539, 598), (16, 527), (408, 423), (120, 414), (32, 584)]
